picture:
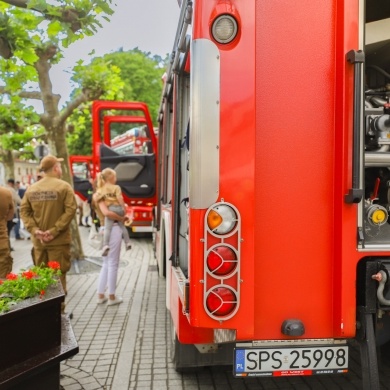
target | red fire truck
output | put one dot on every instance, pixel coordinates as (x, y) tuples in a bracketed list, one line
[(133, 158), (273, 229)]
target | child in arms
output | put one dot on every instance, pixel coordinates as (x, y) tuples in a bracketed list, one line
[(111, 193)]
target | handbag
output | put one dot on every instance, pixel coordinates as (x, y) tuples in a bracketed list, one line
[(95, 238)]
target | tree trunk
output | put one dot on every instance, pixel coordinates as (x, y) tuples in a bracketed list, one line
[(8, 162), (56, 131)]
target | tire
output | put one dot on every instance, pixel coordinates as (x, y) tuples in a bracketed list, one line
[(179, 350)]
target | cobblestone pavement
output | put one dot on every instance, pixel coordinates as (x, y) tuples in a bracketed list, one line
[(128, 346)]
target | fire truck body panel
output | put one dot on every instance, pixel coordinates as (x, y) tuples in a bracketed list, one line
[(266, 176), (307, 95)]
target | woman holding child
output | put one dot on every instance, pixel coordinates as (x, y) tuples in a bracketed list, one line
[(108, 199)]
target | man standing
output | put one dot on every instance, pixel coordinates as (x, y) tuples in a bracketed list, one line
[(47, 209), (6, 214)]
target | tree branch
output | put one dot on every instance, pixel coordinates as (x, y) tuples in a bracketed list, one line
[(23, 4), (23, 94), (16, 3), (50, 100), (68, 15), (71, 106)]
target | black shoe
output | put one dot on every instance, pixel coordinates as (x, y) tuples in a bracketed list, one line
[(12, 249)]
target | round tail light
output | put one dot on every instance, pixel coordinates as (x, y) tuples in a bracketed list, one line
[(221, 301), (221, 260), (224, 29), (221, 219)]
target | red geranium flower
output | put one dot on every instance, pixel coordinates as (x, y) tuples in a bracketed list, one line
[(11, 276), (53, 264), (29, 274)]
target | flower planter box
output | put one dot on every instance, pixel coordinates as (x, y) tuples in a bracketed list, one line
[(35, 339)]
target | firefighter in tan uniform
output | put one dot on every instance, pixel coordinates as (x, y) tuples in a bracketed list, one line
[(6, 214), (47, 209)]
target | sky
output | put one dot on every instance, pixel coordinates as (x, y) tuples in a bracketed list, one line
[(149, 25)]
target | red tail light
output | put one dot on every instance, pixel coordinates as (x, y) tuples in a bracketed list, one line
[(221, 260), (221, 301)]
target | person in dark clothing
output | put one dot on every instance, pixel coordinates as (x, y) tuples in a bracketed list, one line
[(16, 199), (20, 191), (6, 214)]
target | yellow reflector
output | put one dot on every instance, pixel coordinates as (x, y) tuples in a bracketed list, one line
[(213, 219), (378, 216)]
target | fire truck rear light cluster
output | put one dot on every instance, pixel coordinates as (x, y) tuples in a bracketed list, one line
[(222, 248), (221, 260), (224, 29), (221, 301)]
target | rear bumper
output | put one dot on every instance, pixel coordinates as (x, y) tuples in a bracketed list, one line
[(141, 229)]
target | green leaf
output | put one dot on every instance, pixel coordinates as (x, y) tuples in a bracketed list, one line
[(54, 28), (37, 4), (29, 56)]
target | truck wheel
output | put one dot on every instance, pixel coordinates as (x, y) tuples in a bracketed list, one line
[(182, 355)]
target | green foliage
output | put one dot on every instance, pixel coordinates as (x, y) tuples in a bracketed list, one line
[(79, 138), (17, 27), (15, 117), (41, 31), (100, 80), (142, 74), (140, 80), (19, 127), (28, 284)]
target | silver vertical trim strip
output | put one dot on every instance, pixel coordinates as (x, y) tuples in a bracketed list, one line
[(204, 124), (361, 43)]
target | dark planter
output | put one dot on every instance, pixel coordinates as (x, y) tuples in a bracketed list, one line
[(35, 339)]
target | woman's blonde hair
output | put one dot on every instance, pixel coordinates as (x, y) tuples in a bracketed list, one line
[(103, 176)]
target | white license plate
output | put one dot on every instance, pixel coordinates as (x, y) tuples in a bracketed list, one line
[(290, 361)]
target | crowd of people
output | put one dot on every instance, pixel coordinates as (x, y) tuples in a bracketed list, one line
[(46, 209)]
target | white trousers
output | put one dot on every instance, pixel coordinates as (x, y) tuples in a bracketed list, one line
[(109, 272)]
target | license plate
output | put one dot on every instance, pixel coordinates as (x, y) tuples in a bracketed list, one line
[(290, 361)]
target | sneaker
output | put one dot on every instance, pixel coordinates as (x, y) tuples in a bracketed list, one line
[(128, 247), (101, 300), (19, 238), (115, 301), (105, 251)]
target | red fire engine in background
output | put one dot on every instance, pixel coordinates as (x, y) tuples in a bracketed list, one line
[(272, 230), (124, 140)]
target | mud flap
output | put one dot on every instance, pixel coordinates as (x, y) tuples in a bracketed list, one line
[(368, 352)]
